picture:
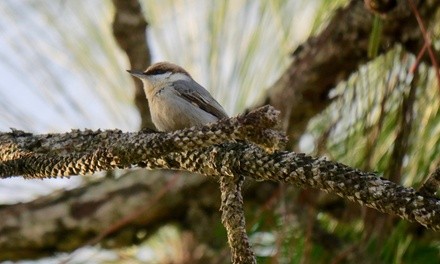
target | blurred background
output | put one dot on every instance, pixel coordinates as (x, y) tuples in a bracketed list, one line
[(61, 69)]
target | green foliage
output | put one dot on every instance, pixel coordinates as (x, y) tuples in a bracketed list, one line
[(376, 32)]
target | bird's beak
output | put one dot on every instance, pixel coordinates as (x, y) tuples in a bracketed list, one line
[(137, 74)]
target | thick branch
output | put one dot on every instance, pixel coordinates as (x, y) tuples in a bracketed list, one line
[(249, 160), (233, 219), (51, 155), (365, 188)]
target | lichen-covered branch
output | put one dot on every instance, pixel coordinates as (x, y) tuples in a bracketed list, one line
[(82, 152), (233, 219), (365, 188), (200, 150)]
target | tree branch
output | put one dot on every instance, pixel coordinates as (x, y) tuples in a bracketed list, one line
[(365, 188), (233, 219), (82, 152), (129, 30), (249, 160)]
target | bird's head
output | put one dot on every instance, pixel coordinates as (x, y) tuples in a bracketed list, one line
[(160, 75)]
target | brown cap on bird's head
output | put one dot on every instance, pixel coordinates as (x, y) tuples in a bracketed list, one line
[(160, 68), (163, 67)]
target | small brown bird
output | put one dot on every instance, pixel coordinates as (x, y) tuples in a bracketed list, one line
[(176, 100)]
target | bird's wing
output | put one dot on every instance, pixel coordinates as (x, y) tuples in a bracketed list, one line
[(198, 96)]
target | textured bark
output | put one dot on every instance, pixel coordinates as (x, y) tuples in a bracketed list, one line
[(233, 219), (249, 160), (129, 30), (365, 188), (82, 152), (323, 61), (50, 155)]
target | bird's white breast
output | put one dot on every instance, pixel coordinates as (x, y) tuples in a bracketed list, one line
[(169, 111)]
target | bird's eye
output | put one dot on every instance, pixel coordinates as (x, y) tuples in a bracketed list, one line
[(156, 72)]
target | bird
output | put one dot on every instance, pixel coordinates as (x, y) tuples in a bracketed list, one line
[(175, 100)]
